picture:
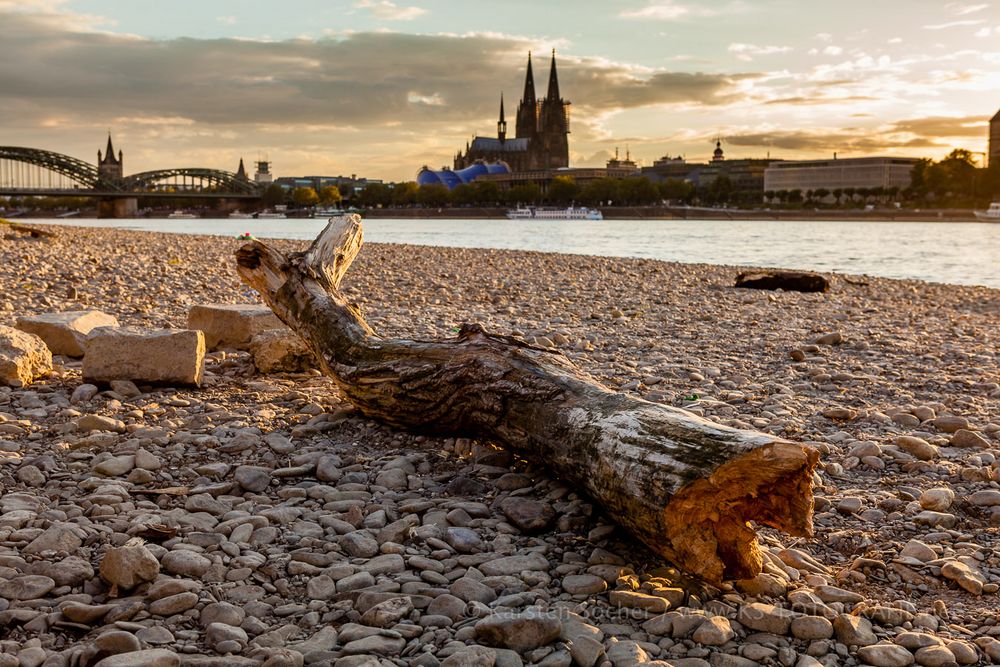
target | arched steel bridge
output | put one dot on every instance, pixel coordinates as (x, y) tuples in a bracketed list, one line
[(32, 171)]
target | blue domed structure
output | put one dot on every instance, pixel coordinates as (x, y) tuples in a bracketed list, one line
[(451, 178)]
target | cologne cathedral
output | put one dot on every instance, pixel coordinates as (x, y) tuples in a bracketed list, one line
[(541, 138)]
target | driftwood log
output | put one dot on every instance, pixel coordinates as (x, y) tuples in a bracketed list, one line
[(33, 232), (685, 486), (790, 281)]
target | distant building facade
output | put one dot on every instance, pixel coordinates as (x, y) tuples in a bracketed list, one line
[(348, 185), (541, 131), (543, 177), (746, 176), (863, 172), (995, 140)]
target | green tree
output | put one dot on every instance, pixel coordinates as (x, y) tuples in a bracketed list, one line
[(330, 195), (528, 193), (273, 195), (719, 191), (404, 194), (375, 195), (486, 193), (305, 197), (463, 194), (601, 192), (433, 195), (677, 190), (819, 194), (563, 190), (638, 191)]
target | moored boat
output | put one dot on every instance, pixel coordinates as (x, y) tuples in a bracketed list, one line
[(182, 215), (554, 213), (241, 215), (992, 214), (327, 212)]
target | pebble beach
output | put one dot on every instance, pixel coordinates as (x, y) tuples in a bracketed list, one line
[(277, 527)]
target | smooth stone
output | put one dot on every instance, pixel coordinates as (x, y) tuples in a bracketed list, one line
[(185, 563), (519, 632), (584, 584), (766, 618), (154, 657), (886, 655)]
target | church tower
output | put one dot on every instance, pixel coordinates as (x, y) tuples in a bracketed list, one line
[(108, 167), (502, 123), (527, 110), (718, 155), (553, 123)]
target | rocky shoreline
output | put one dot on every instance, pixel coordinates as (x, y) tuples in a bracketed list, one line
[(257, 520)]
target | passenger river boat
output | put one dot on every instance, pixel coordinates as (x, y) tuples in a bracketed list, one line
[(554, 213)]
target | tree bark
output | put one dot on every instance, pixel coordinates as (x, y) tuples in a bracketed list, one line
[(685, 486)]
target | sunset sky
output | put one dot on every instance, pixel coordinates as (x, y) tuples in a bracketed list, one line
[(379, 88)]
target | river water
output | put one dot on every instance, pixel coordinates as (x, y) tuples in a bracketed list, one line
[(964, 253)]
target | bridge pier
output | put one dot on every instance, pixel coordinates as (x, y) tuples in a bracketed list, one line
[(118, 207)]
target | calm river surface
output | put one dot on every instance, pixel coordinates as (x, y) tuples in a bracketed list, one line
[(966, 253)]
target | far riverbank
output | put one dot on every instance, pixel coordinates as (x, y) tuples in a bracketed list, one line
[(610, 213), (697, 213)]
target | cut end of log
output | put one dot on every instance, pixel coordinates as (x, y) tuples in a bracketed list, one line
[(708, 521)]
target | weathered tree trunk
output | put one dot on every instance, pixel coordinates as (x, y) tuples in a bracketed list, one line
[(685, 486)]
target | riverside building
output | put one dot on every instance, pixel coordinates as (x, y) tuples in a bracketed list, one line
[(862, 172), (995, 139)]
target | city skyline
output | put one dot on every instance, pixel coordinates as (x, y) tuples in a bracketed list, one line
[(380, 88)]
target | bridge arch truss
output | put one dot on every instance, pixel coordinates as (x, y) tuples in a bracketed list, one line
[(189, 180), (35, 169)]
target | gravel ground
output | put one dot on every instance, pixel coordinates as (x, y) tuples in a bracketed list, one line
[(258, 521)]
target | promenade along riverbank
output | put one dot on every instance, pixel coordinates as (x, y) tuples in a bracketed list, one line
[(281, 521)]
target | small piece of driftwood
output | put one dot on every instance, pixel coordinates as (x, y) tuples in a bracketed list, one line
[(33, 232), (790, 281)]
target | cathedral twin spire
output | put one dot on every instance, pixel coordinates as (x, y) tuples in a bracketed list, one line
[(553, 94), (528, 111)]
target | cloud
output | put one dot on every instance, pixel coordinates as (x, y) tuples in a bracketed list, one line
[(675, 11), (390, 11), (747, 52), (818, 100), (663, 11), (954, 24), (860, 141), (914, 133), (944, 126), (960, 9), (226, 20)]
